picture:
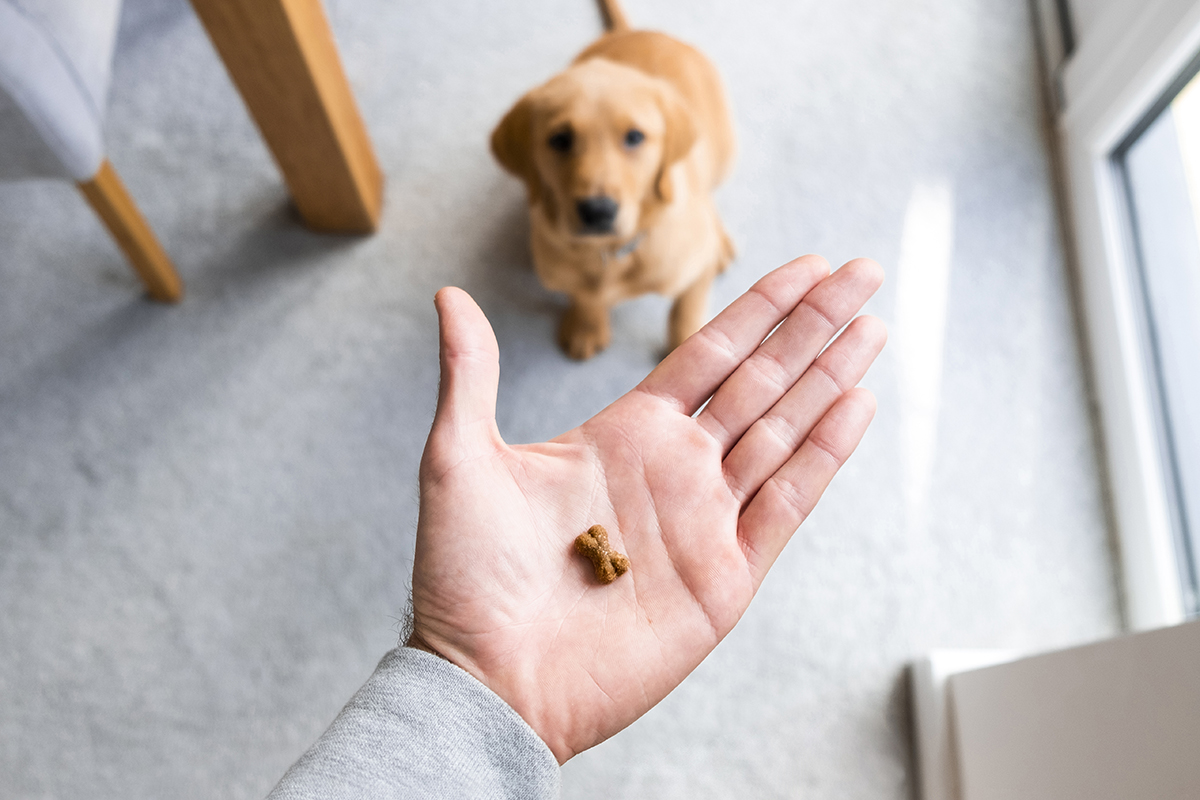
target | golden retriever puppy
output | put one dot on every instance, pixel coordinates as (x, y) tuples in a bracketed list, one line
[(620, 154)]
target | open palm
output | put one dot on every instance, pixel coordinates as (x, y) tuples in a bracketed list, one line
[(701, 503)]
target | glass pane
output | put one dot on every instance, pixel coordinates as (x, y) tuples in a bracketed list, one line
[(1161, 167)]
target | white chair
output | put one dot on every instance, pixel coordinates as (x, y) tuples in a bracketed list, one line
[(55, 64)]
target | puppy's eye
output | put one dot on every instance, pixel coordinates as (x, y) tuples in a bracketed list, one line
[(561, 141), (634, 137)]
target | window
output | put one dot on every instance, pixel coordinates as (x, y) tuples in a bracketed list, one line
[(1129, 141), (1159, 164)]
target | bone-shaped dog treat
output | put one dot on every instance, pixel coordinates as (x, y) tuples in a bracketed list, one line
[(607, 562)]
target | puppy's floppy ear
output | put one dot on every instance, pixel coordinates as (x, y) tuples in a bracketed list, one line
[(512, 145), (679, 134)]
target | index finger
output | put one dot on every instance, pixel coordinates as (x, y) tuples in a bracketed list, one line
[(693, 371)]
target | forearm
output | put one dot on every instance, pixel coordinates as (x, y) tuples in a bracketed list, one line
[(421, 726)]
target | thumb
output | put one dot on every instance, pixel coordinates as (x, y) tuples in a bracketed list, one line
[(470, 359)]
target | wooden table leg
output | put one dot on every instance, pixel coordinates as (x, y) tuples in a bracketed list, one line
[(282, 57), (107, 196)]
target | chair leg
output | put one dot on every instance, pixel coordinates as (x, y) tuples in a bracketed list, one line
[(282, 57), (112, 203)]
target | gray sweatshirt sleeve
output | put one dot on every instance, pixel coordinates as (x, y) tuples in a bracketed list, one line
[(422, 727)]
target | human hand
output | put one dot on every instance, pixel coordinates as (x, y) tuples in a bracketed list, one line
[(701, 503)]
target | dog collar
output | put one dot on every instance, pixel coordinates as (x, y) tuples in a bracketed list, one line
[(627, 248)]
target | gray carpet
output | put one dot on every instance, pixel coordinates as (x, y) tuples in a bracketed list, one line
[(207, 512)]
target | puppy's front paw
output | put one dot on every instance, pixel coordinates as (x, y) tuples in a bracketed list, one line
[(583, 336)]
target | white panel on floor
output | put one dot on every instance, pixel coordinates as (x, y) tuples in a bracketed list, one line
[(1116, 719)]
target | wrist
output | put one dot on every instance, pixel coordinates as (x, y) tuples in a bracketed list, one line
[(556, 745), (416, 641)]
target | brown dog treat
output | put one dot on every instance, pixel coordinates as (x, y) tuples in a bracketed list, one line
[(607, 562)]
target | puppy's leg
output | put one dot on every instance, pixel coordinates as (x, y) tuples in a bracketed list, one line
[(690, 309), (728, 251), (584, 330)]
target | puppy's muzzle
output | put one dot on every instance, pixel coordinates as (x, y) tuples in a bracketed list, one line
[(597, 214)]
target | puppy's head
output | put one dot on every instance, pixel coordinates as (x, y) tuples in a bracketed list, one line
[(594, 146)]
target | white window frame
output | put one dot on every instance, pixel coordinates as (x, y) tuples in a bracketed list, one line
[(1131, 55)]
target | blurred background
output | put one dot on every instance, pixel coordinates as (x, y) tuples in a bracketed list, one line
[(207, 510)]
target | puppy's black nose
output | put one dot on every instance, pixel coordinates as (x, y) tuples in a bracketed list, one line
[(597, 213)]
